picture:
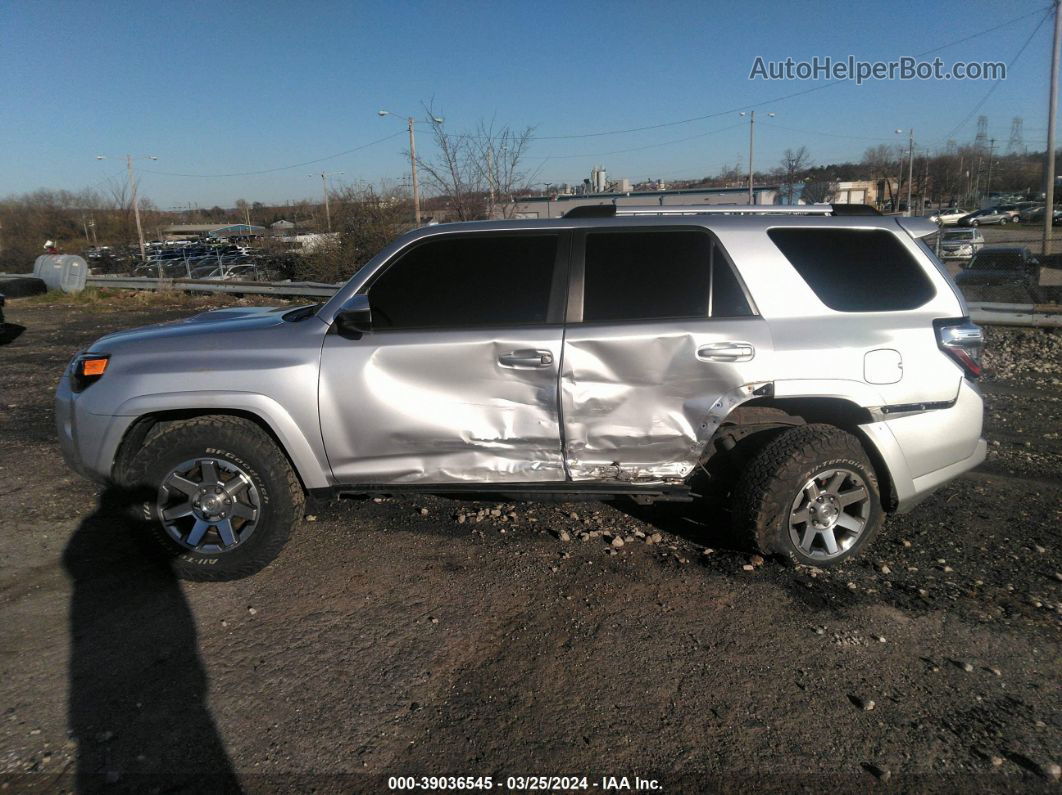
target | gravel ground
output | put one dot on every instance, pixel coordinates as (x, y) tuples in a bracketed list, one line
[(427, 636)]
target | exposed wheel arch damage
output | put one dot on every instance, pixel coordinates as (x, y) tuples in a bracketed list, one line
[(765, 416)]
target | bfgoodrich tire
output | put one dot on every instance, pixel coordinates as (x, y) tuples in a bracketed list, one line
[(227, 498), (810, 495)]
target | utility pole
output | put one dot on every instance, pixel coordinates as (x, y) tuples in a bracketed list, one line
[(324, 188), (410, 122), (1049, 156), (328, 208), (752, 138), (910, 169), (490, 179), (961, 199), (136, 206), (988, 186), (925, 183), (413, 168)]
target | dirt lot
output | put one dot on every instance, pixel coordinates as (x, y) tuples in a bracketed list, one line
[(438, 637)]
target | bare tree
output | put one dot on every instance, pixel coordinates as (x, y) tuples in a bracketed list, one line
[(818, 191), (794, 163), (480, 172), (883, 161)]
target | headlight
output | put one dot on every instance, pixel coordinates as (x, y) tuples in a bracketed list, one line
[(88, 369)]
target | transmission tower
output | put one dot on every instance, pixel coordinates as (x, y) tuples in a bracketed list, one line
[(981, 141), (1015, 145)]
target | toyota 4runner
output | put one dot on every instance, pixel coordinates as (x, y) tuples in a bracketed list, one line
[(812, 366)]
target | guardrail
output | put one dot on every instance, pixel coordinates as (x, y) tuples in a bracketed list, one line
[(1032, 315), (293, 289)]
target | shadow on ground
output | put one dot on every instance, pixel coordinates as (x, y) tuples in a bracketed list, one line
[(10, 332), (138, 688)]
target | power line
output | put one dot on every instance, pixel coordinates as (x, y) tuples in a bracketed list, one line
[(280, 168), (661, 125), (647, 146), (785, 96), (995, 85), (823, 132)]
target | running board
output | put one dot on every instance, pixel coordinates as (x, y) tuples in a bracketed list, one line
[(642, 493)]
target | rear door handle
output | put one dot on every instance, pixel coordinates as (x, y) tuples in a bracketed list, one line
[(526, 358), (726, 352)]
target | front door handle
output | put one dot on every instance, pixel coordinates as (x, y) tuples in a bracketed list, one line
[(727, 352), (526, 358)]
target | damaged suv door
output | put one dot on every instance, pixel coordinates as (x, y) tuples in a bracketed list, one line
[(453, 378), (662, 341)]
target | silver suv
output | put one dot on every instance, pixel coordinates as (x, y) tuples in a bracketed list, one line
[(813, 366)]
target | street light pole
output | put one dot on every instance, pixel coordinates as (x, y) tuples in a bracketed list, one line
[(136, 206), (1049, 156), (910, 169), (752, 139)]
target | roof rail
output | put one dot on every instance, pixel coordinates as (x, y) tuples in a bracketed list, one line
[(613, 210)]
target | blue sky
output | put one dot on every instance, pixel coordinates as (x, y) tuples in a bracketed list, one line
[(219, 88)]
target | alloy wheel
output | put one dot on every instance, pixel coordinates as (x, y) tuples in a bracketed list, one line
[(829, 513), (208, 505)]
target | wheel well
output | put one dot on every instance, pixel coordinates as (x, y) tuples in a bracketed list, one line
[(771, 413), (146, 426)]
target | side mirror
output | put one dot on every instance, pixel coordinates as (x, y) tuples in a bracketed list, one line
[(354, 318)]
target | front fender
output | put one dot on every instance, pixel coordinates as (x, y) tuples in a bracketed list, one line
[(306, 451)]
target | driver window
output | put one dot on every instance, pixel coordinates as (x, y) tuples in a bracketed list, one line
[(467, 281)]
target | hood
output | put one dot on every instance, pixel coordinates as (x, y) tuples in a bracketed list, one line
[(217, 321)]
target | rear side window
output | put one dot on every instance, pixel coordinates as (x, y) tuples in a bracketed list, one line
[(997, 262), (462, 282), (855, 270), (658, 274)]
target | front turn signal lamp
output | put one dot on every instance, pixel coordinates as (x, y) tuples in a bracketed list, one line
[(88, 369)]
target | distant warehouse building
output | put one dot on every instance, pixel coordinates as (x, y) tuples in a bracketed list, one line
[(216, 231), (557, 205)]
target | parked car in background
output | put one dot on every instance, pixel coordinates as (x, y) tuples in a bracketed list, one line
[(1031, 213), (993, 215), (961, 243), (949, 216), (1000, 265), (1036, 216)]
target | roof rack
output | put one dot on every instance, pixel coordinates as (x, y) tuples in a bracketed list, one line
[(613, 210)]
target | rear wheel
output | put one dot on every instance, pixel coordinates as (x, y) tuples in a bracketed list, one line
[(810, 495), (226, 497)]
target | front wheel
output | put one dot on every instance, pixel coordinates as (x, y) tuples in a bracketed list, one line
[(226, 498), (810, 495)]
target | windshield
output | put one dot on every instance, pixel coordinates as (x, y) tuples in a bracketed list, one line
[(958, 236)]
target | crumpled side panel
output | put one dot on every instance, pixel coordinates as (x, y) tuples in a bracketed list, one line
[(640, 404), (438, 407)]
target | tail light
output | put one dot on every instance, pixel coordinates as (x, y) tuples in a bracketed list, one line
[(963, 341)]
